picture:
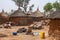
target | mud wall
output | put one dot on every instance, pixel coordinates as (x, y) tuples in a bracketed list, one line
[(54, 27)]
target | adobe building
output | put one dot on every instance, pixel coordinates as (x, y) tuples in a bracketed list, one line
[(54, 23), (20, 18)]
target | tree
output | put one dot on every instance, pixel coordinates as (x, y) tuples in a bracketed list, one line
[(22, 3), (48, 7), (56, 5), (31, 7), (25, 3), (18, 3)]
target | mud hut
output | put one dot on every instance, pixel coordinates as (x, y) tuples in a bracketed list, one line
[(3, 17), (37, 15), (54, 23), (20, 18)]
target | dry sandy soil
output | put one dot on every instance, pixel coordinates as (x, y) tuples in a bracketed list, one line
[(22, 36)]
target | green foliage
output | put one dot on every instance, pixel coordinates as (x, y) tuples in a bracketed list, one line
[(48, 7), (56, 5)]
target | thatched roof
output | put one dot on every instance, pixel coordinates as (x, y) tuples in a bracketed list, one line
[(4, 17), (55, 14), (4, 14), (37, 13), (17, 13)]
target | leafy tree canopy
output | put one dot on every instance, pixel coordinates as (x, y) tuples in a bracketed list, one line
[(48, 7), (56, 5)]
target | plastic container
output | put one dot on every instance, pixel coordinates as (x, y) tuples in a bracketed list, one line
[(36, 33), (42, 35), (14, 33)]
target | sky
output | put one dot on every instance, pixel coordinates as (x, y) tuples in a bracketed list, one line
[(9, 5)]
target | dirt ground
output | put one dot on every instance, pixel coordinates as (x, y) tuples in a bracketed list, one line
[(22, 36)]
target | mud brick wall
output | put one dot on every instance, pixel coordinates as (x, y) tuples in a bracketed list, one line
[(24, 20), (54, 27), (3, 20), (21, 20)]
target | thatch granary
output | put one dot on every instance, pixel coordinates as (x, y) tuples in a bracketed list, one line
[(3, 17), (54, 28), (37, 15), (21, 18)]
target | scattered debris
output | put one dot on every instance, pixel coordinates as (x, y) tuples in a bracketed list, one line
[(7, 25), (29, 31), (35, 33), (21, 30), (37, 25)]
